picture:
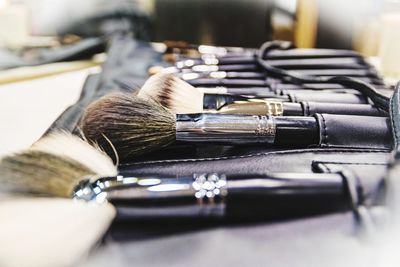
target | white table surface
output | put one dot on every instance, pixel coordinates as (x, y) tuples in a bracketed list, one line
[(28, 108)]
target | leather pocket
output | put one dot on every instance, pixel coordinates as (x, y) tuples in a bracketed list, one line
[(354, 131)]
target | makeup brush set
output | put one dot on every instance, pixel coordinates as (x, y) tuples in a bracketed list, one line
[(226, 135)]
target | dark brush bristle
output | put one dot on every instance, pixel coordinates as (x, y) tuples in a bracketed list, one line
[(132, 125)]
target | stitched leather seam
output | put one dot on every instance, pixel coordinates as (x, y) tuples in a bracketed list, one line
[(395, 130), (351, 163), (308, 108), (324, 132), (298, 151), (357, 147), (327, 167)]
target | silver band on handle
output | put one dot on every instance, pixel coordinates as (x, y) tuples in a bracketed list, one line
[(225, 128)]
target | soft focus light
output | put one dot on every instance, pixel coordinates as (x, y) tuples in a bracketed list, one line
[(3, 3), (168, 187)]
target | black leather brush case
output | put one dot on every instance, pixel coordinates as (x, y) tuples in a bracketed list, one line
[(363, 156), (339, 144)]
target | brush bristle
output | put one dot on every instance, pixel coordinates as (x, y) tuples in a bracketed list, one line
[(45, 171), (67, 145), (130, 124), (173, 93), (43, 231)]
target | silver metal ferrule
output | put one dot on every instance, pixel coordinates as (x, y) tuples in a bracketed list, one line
[(225, 128), (200, 194), (271, 108)]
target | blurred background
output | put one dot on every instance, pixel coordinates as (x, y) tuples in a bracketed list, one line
[(369, 26)]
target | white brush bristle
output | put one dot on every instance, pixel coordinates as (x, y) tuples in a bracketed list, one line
[(43, 231), (173, 93), (67, 145)]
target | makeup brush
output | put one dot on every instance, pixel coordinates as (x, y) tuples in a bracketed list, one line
[(135, 126), (304, 108), (291, 54), (289, 64), (187, 76), (182, 98), (201, 195), (42, 231), (270, 81)]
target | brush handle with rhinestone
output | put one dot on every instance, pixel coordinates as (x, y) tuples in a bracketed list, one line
[(213, 195)]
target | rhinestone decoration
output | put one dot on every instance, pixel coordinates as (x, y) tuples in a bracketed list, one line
[(209, 187), (265, 126)]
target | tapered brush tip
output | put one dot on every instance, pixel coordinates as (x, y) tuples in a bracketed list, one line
[(153, 70), (128, 126), (173, 93)]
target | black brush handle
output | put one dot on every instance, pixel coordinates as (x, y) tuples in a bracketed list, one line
[(326, 97), (210, 195), (285, 195), (279, 131), (301, 53), (311, 108), (248, 57), (216, 101), (296, 131), (320, 63), (209, 82), (266, 92)]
